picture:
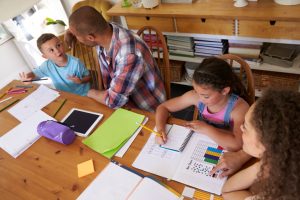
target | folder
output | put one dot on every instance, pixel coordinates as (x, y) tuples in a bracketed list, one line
[(114, 132)]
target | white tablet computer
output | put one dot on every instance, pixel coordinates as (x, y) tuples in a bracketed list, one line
[(82, 121)]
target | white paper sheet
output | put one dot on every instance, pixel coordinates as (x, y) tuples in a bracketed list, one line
[(113, 183), (33, 102), (20, 138), (123, 150), (148, 189)]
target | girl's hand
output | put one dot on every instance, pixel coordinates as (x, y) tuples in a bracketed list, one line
[(75, 79), (161, 139), (196, 125)]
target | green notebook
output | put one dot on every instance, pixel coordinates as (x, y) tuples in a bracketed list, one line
[(114, 132)]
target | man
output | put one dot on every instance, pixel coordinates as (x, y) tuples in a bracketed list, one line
[(129, 72)]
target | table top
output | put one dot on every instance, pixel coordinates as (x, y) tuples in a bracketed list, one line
[(48, 170)]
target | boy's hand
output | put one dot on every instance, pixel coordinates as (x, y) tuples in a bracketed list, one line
[(25, 77), (75, 79)]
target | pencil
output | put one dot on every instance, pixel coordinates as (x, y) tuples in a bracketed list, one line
[(61, 105), (149, 129), (8, 98), (13, 102), (39, 79)]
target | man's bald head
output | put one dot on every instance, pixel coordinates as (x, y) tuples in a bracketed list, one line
[(87, 20)]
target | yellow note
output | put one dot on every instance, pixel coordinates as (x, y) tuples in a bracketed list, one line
[(85, 168)]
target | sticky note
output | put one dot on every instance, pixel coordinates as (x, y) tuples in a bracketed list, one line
[(85, 168)]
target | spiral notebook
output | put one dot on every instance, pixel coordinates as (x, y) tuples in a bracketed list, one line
[(178, 137)]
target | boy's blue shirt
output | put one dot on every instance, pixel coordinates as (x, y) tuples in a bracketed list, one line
[(59, 75)]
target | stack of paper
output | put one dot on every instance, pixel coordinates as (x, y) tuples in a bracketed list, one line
[(114, 132)]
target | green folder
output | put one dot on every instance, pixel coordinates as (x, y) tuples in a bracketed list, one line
[(114, 132)]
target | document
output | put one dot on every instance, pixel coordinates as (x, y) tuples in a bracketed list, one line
[(20, 138), (191, 166), (118, 183), (33, 103), (114, 132)]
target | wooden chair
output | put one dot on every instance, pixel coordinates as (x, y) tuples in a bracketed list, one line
[(157, 43), (245, 74), (86, 54)]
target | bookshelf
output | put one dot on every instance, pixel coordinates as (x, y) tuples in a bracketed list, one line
[(263, 21)]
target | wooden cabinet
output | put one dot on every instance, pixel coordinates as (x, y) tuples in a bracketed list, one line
[(269, 29), (205, 26), (165, 24)]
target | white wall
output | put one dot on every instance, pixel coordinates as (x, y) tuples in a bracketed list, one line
[(11, 62)]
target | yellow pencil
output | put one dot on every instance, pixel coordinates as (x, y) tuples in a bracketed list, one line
[(149, 129)]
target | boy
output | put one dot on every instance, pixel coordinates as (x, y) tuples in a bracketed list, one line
[(67, 72)]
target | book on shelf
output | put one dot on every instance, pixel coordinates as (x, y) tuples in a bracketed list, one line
[(247, 52), (180, 44), (180, 52), (178, 137), (190, 167), (179, 38), (247, 42), (250, 46), (119, 182), (205, 54)]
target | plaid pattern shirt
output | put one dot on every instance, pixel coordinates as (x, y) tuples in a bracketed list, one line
[(130, 73)]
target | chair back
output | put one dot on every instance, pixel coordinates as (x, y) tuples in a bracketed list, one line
[(87, 54), (158, 46), (245, 74)]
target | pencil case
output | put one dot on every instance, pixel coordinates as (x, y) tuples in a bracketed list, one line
[(56, 131)]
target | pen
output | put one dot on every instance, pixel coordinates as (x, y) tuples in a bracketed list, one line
[(61, 105), (13, 102), (5, 99), (39, 79), (17, 92), (149, 129), (24, 86)]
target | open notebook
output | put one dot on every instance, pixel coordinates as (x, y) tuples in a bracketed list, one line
[(118, 183), (178, 137), (191, 166)]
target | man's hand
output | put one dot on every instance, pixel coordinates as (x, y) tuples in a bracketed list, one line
[(69, 38)]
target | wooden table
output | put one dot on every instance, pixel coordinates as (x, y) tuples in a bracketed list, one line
[(48, 170)]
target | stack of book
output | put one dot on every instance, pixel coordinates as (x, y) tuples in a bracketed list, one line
[(210, 47), (180, 46), (248, 50)]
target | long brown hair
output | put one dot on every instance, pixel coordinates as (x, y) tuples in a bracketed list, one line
[(276, 118)]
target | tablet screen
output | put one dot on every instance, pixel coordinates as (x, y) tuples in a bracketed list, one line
[(82, 121)]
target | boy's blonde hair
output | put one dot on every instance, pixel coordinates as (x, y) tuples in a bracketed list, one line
[(44, 38)]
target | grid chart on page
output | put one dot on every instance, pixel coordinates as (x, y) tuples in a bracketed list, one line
[(207, 152)]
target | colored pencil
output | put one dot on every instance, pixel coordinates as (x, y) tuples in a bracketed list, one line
[(149, 129), (13, 102), (2, 95), (24, 86), (8, 98), (39, 79), (61, 105)]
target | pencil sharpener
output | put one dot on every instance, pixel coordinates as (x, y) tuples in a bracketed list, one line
[(56, 131)]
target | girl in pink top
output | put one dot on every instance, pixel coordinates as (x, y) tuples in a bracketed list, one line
[(221, 99)]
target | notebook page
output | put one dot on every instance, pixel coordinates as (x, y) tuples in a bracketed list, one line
[(18, 139), (178, 137), (157, 160), (149, 189), (199, 158), (33, 102), (113, 183)]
